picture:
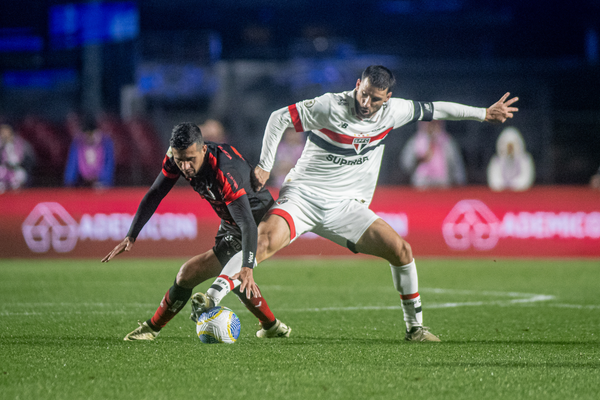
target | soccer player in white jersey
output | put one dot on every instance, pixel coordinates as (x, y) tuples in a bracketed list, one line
[(329, 190)]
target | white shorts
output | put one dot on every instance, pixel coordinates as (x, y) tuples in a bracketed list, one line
[(341, 221)]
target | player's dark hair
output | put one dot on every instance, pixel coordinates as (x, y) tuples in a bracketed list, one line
[(379, 76), (184, 135)]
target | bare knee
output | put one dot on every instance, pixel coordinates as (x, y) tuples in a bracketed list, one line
[(273, 235)]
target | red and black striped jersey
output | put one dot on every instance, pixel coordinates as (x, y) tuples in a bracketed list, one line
[(224, 177)]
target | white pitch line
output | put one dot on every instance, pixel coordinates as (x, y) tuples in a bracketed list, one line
[(579, 306), (526, 298), (38, 313), (478, 292), (518, 298)]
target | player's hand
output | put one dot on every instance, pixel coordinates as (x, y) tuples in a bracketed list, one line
[(501, 110), (248, 284), (262, 177), (125, 245)]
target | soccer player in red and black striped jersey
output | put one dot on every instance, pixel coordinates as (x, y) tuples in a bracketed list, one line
[(221, 175)]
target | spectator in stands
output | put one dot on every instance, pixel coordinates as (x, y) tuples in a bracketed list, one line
[(595, 180), (512, 167), (148, 149), (289, 151), (91, 159), (432, 157), (213, 131), (50, 145), (16, 159)]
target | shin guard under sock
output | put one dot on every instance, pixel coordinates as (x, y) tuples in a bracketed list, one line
[(406, 283), (257, 306), (173, 301)]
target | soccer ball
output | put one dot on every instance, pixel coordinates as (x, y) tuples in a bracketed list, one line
[(218, 325)]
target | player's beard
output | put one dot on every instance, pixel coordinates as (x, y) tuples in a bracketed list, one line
[(189, 174), (360, 110)]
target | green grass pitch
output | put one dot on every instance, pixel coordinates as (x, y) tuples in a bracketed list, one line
[(511, 329)]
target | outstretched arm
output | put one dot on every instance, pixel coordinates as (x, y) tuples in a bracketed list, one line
[(496, 113), (159, 189)]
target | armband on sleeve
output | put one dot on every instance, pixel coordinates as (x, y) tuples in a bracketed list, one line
[(423, 111)]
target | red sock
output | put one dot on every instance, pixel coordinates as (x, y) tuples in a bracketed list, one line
[(173, 301), (257, 306)]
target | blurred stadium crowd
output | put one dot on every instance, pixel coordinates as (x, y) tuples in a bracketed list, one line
[(133, 69)]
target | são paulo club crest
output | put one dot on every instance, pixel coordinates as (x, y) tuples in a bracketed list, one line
[(360, 143)]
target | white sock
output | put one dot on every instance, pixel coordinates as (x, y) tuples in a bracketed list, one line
[(406, 283), (224, 284)]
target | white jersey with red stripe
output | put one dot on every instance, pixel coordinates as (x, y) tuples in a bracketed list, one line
[(343, 152)]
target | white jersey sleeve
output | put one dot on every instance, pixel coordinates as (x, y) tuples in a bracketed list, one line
[(311, 114), (457, 112), (303, 116), (403, 111), (278, 122)]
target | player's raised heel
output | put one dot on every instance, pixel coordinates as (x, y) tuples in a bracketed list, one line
[(278, 330), (420, 334), (200, 303), (142, 332)]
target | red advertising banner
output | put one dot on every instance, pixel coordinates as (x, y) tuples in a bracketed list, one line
[(466, 222)]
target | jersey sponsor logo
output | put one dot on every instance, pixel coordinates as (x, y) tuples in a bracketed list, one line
[(281, 201), (360, 143), (309, 103), (343, 161)]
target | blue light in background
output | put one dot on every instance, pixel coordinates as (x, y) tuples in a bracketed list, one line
[(44, 79), (19, 40), (73, 25)]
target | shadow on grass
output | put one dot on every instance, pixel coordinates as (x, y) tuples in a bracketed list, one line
[(299, 340), (30, 339)]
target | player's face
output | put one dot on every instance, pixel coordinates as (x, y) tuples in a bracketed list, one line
[(369, 99), (190, 160)]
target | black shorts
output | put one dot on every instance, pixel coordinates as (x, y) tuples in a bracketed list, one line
[(228, 242)]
